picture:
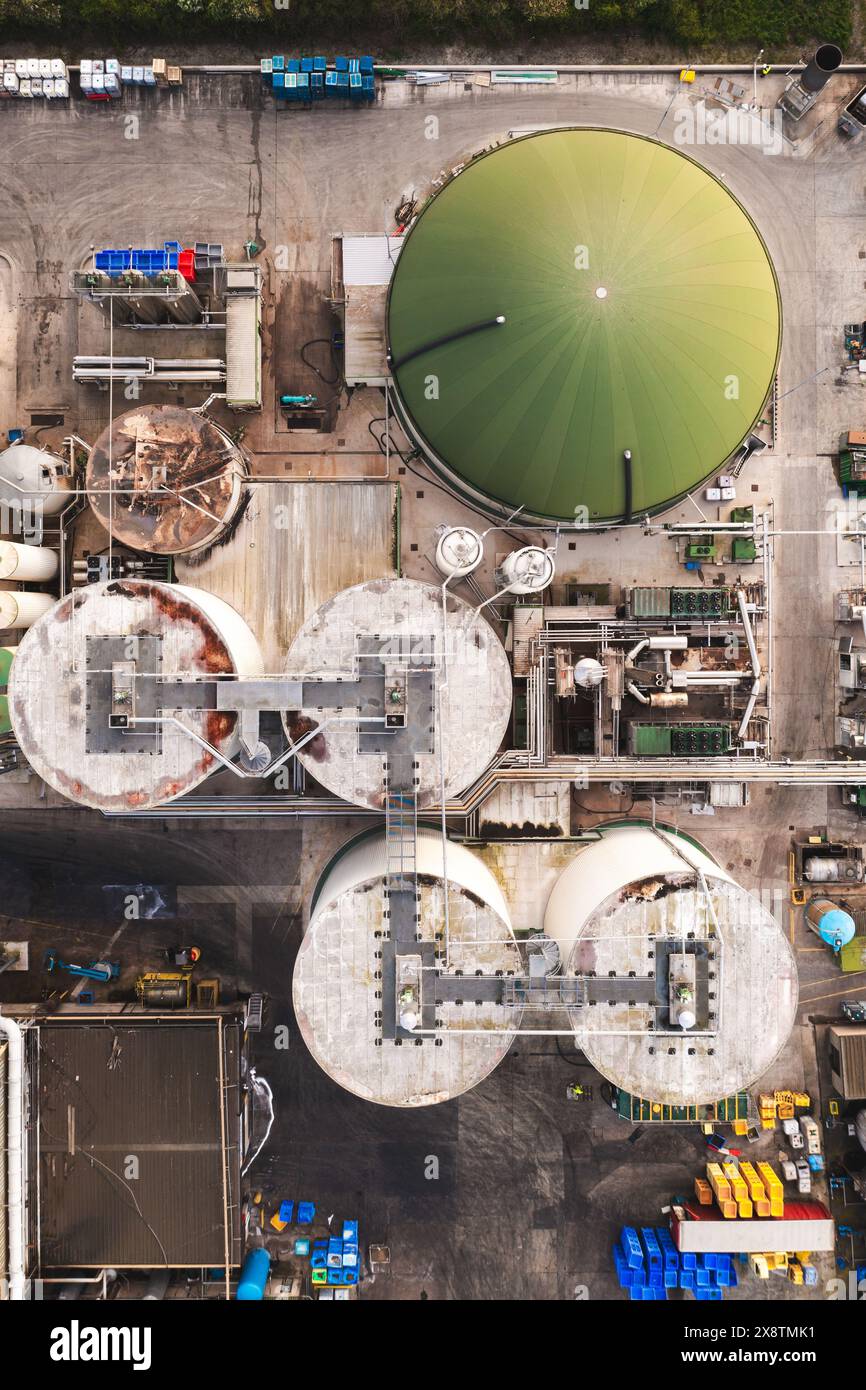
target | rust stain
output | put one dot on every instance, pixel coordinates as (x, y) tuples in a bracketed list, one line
[(298, 725), (175, 478), (219, 727), (213, 655)]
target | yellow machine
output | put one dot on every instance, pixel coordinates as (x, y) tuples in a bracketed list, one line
[(164, 989)]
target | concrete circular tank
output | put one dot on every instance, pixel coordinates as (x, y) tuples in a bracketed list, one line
[(665, 936), (455, 671), (165, 480), (61, 682), (572, 297), (337, 991)]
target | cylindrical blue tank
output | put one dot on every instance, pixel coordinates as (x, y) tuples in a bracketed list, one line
[(833, 925), (254, 1275)]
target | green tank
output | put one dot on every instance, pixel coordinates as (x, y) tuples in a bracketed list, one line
[(573, 296)]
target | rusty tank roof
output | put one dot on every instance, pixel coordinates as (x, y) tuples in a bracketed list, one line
[(54, 693), (165, 480)]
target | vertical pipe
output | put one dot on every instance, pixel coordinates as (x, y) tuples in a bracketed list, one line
[(223, 1157), (820, 67), (14, 1140)]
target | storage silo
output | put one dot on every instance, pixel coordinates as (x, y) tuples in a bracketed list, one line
[(31, 564), (34, 480), (417, 679), (342, 999), (831, 923), (90, 693), (165, 480), (584, 324), (20, 608), (690, 986)]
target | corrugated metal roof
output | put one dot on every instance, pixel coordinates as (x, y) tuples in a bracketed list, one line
[(370, 260), (3, 1237), (852, 1048), (367, 266), (276, 582), (119, 1098), (243, 351)]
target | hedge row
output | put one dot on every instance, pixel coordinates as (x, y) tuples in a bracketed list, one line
[(781, 23)]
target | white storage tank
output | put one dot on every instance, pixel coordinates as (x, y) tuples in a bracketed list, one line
[(529, 570), (60, 704), (335, 987), (20, 608), (459, 552), (33, 478), (447, 655), (33, 564), (691, 986)]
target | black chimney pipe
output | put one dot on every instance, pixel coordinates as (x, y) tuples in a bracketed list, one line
[(821, 67)]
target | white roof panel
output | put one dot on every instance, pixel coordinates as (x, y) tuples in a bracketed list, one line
[(370, 260)]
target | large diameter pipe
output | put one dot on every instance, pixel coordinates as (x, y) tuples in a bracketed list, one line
[(820, 68), (671, 642), (750, 636), (749, 710), (14, 1140), (27, 563)]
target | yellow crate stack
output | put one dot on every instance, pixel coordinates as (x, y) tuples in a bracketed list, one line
[(775, 1189), (757, 1191), (703, 1192), (767, 1111), (739, 1190), (721, 1191)]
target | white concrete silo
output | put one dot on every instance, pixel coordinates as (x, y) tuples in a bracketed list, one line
[(690, 985), (70, 665), (337, 985), (425, 642)]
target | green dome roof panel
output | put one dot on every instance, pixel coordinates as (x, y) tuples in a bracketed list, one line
[(641, 312)]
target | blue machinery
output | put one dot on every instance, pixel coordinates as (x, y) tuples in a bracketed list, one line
[(100, 970)]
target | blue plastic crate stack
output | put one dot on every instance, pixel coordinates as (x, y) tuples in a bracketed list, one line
[(307, 80), (336, 1260), (649, 1264), (150, 261)]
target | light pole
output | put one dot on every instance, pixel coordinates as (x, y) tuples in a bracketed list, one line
[(755, 78)]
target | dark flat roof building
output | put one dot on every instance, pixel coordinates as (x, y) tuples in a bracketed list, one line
[(848, 1062), (139, 1137)]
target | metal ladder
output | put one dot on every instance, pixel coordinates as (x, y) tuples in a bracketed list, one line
[(401, 836)]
